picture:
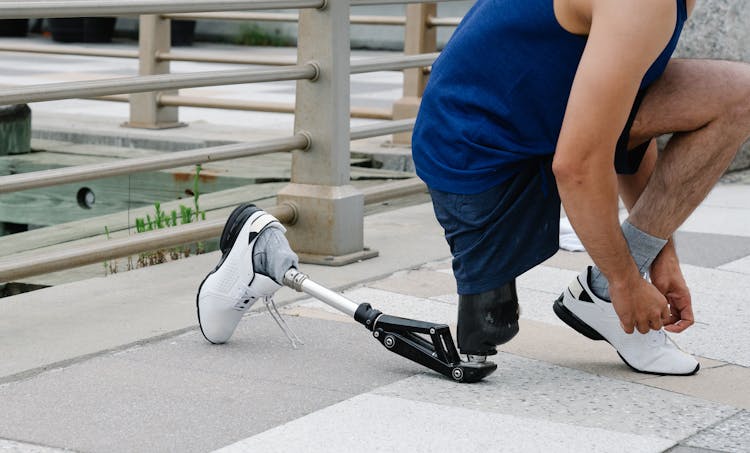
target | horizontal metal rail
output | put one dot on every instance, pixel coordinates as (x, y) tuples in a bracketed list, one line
[(395, 189), (393, 63), (139, 84), (255, 106), (53, 177), (249, 106), (76, 8), (56, 176), (15, 268), (357, 67), (443, 21), (226, 59), (166, 56), (377, 130), (22, 267), (69, 50), (282, 17)]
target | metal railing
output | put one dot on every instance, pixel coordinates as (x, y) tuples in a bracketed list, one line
[(324, 212), (423, 24)]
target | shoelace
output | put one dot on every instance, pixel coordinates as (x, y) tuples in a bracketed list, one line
[(274, 312), (657, 338)]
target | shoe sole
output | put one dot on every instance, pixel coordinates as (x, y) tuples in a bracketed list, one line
[(569, 318), (574, 321), (229, 235)]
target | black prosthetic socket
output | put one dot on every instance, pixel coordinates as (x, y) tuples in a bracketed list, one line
[(487, 319)]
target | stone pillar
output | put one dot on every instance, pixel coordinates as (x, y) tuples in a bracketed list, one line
[(719, 29), (330, 228)]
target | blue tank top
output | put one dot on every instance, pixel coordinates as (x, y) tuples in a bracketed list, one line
[(497, 94)]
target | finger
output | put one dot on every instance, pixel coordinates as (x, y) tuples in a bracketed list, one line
[(677, 327), (672, 319), (643, 327), (666, 314), (682, 324), (628, 328)]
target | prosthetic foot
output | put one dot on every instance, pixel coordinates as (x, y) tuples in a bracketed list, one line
[(234, 286), (486, 320)]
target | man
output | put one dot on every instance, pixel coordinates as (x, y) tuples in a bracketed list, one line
[(529, 104)]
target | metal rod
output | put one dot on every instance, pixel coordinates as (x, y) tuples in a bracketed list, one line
[(46, 178), (280, 17), (141, 84), (69, 50), (228, 59), (443, 21), (302, 283), (18, 267), (395, 189), (76, 8), (377, 130), (255, 106), (393, 63)]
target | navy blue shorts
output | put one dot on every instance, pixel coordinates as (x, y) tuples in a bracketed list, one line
[(499, 234)]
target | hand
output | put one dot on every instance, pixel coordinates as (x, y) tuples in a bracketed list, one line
[(667, 277), (639, 305)]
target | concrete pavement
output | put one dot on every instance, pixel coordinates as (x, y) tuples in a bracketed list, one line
[(141, 377), (117, 364)]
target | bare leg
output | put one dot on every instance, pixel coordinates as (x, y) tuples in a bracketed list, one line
[(706, 104)]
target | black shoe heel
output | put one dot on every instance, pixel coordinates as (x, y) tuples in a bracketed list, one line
[(573, 321), (234, 224)]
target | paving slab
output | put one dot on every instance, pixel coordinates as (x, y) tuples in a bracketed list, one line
[(186, 395), (719, 219), (361, 424), (565, 347), (573, 261), (395, 304), (533, 389), (686, 449), (710, 250), (731, 435), (421, 283), (9, 446), (548, 279), (741, 266), (726, 384), (721, 303)]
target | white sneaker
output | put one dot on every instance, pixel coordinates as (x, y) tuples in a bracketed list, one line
[(652, 353), (233, 286)]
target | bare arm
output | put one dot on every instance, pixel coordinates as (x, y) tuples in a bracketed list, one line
[(625, 38), (666, 274)]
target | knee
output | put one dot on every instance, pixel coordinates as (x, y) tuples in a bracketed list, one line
[(738, 110)]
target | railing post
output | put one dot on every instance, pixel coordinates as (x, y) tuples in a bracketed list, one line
[(420, 37), (330, 210), (145, 111)]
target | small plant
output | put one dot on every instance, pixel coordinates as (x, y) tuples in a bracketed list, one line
[(162, 219), (255, 35)]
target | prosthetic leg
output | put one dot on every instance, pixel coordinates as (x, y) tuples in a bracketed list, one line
[(256, 260), (428, 344)]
